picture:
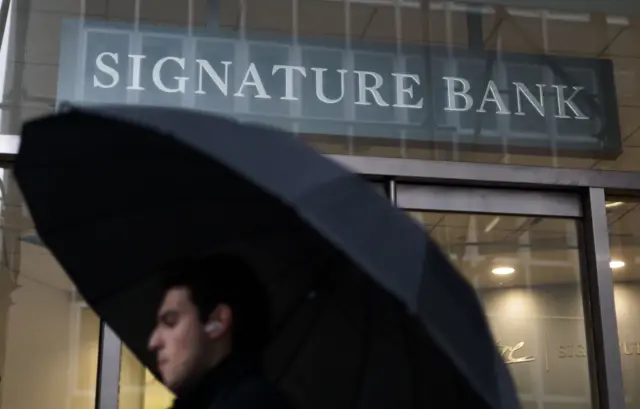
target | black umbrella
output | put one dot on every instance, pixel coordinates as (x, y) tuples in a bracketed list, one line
[(368, 311)]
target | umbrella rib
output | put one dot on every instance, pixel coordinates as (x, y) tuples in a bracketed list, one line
[(319, 301), (292, 312)]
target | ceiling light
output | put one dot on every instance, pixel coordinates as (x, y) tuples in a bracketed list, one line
[(615, 264), (609, 205), (503, 271)]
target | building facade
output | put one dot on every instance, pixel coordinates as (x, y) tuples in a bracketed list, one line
[(510, 129)]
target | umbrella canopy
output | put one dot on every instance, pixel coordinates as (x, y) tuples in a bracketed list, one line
[(368, 311)]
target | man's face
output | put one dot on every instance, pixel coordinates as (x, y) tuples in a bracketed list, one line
[(179, 340)]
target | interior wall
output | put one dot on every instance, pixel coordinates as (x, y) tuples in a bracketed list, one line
[(132, 382), (627, 298), (540, 332), (139, 389), (51, 349), (86, 365), (156, 396)]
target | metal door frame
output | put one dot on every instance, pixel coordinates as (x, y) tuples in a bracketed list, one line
[(585, 205), (487, 201)]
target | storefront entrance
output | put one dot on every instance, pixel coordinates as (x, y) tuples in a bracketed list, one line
[(523, 253), (530, 256)]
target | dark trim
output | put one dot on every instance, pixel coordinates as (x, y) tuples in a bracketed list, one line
[(107, 389), (610, 131), (480, 174), (600, 314), (475, 35), (621, 8)]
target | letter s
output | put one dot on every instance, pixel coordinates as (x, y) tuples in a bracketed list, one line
[(110, 71)]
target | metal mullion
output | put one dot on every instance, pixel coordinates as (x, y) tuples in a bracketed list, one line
[(4, 17), (109, 353), (486, 174), (489, 201), (605, 365), (392, 192)]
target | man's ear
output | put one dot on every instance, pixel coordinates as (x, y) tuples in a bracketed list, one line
[(220, 321)]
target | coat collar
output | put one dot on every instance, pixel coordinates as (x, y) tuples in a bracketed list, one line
[(216, 384)]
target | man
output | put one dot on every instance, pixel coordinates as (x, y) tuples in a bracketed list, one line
[(212, 327)]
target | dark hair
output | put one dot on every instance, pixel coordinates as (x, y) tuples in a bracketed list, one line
[(228, 279)]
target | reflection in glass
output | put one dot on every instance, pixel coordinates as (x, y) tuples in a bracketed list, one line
[(48, 336), (139, 389), (623, 216), (526, 271)]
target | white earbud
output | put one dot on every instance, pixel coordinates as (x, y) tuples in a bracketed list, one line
[(213, 326)]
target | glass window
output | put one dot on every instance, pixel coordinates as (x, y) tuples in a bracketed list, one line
[(48, 336), (624, 218), (139, 389), (432, 80), (526, 271)]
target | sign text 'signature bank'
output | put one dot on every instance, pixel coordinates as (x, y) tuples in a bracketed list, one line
[(507, 102), (214, 78)]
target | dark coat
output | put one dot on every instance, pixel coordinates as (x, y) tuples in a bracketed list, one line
[(234, 384)]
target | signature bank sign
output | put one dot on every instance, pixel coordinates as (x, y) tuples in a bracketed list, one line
[(422, 95)]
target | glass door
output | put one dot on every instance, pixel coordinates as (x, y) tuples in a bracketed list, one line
[(521, 252)]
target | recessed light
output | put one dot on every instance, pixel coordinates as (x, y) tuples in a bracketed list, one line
[(615, 264), (503, 271)]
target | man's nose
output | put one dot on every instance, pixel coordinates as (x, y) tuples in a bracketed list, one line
[(154, 341)]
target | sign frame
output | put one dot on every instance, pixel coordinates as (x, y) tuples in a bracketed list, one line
[(603, 143)]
